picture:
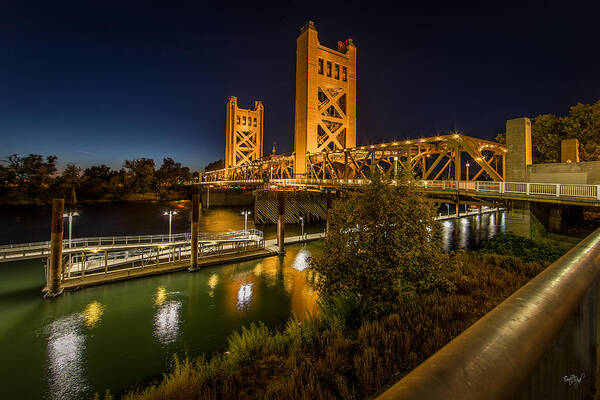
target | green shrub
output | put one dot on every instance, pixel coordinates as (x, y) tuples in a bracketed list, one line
[(526, 249)]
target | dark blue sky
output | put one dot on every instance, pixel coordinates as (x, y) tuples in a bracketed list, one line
[(99, 82)]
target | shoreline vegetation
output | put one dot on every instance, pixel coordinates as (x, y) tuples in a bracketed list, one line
[(387, 303), (333, 355), (34, 180)]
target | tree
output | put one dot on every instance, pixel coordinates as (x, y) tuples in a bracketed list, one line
[(383, 241), (140, 174), (31, 175), (547, 131), (68, 181), (215, 165), (172, 173)]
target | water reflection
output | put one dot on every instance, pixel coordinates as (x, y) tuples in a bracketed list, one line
[(244, 296), (166, 319), (464, 227), (161, 295), (301, 261), (212, 284), (92, 314), (469, 232), (66, 346)]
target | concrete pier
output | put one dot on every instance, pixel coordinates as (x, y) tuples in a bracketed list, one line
[(55, 260), (195, 231), (281, 221)]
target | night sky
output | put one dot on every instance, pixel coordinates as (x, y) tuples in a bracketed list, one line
[(102, 83)]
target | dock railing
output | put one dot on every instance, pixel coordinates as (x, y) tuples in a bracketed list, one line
[(540, 343)]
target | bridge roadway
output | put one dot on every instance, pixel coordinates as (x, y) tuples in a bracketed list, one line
[(24, 251), (568, 194)]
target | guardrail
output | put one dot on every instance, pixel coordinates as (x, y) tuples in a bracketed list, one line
[(578, 191), (42, 249), (540, 343), (560, 190), (107, 262)]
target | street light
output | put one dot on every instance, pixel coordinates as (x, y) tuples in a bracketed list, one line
[(70, 215), (467, 165), (395, 166), (170, 214), (302, 226), (245, 213)]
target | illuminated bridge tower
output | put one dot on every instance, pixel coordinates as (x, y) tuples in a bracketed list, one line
[(325, 97), (244, 136)]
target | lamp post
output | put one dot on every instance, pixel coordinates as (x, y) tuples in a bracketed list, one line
[(302, 227), (395, 167), (467, 165), (70, 215), (245, 213), (170, 214)]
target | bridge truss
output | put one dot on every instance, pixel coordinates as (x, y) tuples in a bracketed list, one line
[(432, 158)]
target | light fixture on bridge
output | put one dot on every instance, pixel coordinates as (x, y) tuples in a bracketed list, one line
[(70, 215), (245, 213), (170, 214)]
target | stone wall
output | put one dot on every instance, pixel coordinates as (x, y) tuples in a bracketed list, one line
[(587, 172)]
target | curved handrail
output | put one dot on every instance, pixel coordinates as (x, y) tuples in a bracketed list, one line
[(494, 357)]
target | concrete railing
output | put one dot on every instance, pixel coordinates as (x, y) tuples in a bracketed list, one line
[(540, 343)]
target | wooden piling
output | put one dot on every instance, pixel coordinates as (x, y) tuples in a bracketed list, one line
[(195, 231), (56, 239), (281, 221)]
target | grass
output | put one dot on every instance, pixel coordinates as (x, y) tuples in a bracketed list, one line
[(526, 249), (335, 355)]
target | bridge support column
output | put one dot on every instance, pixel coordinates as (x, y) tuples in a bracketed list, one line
[(56, 238), (207, 197), (281, 221), (497, 216), (194, 236)]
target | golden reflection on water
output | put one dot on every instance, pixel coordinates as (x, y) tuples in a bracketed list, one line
[(93, 313), (161, 295), (258, 269), (213, 280), (243, 286)]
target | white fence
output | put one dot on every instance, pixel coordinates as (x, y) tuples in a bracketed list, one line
[(571, 191), (42, 249)]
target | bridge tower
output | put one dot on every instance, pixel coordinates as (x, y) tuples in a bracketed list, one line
[(325, 117), (244, 133)]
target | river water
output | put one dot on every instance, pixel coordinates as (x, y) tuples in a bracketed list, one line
[(118, 335)]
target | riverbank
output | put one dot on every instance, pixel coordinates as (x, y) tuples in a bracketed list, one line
[(126, 333), (334, 355)]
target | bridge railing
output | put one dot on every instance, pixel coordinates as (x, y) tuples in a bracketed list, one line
[(576, 191), (540, 343), (42, 249), (113, 260)]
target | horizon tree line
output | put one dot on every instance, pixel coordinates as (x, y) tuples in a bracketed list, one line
[(35, 179)]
